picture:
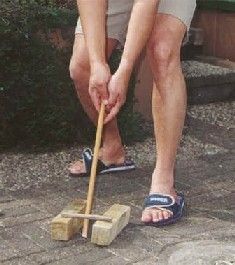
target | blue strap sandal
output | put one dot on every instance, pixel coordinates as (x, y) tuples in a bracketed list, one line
[(101, 167), (165, 203)]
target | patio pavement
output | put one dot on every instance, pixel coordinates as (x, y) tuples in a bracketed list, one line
[(34, 187)]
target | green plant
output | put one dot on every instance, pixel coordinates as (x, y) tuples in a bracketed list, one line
[(37, 97), (38, 105)]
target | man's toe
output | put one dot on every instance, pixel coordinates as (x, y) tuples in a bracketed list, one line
[(165, 214), (155, 215), (146, 216), (77, 168), (160, 214)]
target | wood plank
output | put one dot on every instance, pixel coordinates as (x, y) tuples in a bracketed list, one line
[(65, 228), (96, 217), (103, 233)]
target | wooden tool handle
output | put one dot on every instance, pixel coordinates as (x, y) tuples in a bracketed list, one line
[(86, 216), (93, 170)]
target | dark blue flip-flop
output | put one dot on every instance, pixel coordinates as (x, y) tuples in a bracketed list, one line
[(101, 167), (165, 202)]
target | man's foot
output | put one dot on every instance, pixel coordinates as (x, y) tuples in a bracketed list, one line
[(77, 167), (164, 203), (107, 157), (161, 187)]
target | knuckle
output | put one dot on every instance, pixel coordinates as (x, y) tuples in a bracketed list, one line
[(101, 82), (90, 92), (94, 82)]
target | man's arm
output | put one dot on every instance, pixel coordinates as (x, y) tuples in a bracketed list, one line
[(92, 14), (139, 29)]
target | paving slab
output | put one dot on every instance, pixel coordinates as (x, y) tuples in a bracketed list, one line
[(149, 261), (207, 252), (27, 218), (57, 254), (33, 194), (19, 242), (20, 261), (113, 260), (7, 251), (97, 255)]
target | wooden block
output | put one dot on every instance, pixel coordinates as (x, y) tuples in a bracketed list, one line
[(65, 228), (103, 233)]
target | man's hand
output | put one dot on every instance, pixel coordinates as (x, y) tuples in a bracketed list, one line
[(98, 85), (117, 89), (137, 36)]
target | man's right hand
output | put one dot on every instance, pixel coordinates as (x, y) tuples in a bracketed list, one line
[(98, 85)]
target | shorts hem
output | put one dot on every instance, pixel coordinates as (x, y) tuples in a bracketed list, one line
[(186, 24), (109, 36)]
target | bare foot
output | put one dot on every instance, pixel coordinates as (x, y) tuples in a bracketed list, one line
[(107, 157), (77, 167), (156, 215)]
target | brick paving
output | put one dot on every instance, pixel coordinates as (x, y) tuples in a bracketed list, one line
[(205, 173)]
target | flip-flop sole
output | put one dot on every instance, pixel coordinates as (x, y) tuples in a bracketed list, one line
[(78, 175), (105, 171), (117, 169)]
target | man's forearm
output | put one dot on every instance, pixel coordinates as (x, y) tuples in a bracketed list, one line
[(139, 29), (92, 14)]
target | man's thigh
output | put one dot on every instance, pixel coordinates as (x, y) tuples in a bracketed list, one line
[(117, 18), (118, 15), (180, 9), (172, 22), (167, 34), (80, 53)]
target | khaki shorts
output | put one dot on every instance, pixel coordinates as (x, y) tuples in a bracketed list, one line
[(118, 15)]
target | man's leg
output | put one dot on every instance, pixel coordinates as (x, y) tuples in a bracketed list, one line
[(112, 150), (168, 104)]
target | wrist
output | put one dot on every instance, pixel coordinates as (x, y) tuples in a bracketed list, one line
[(99, 67), (123, 74), (97, 63), (125, 69), (126, 65)]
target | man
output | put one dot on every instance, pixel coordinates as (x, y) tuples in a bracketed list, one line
[(95, 40)]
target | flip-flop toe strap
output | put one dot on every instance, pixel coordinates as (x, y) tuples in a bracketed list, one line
[(160, 208), (159, 200), (87, 160)]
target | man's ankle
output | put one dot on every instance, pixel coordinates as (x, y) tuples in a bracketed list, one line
[(112, 153), (163, 181), (168, 190)]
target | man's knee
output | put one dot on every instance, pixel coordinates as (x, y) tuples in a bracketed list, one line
[(79, 71), (164, 45), (162, 53)]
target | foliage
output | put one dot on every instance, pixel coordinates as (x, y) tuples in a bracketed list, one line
[(38, 105), (37, 99)]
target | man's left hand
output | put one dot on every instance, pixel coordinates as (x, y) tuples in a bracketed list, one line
[(117, 89)]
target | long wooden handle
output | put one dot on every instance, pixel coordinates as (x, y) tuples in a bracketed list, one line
[(93, 170)]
